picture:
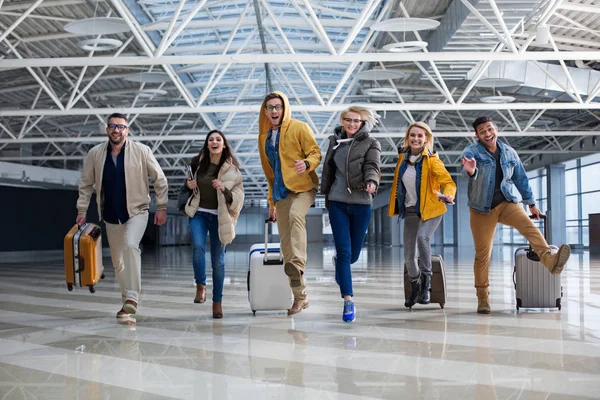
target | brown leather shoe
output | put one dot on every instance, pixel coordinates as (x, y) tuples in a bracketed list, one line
[(130, 307), (122, 314), (200, 293), (299, 305), (217, 309)]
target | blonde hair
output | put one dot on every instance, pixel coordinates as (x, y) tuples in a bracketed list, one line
[(366, 115), (428, 136)]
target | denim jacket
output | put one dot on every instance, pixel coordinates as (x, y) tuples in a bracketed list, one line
[(481, 184), (280, 191)]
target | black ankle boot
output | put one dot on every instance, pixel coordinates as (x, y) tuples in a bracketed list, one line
[(424, 296), (415, 288)]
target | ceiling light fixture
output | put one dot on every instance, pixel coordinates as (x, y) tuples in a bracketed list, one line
[(405, 24), (97, 26), (99, 44), (379, 75), (497, 99), (405, 47), (385, 92), (147, 77)]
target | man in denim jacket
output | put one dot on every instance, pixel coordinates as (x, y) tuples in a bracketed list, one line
[(495, 171)]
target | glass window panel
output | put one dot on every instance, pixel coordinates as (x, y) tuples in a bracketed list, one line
[(544, 187), (570, 164), (542, 206), (506, 235), (535, 185), (585, 235), (594, 158), (572, 208), (590, 178), (517, 237), (571, 181), (573, 235), (590, 204)]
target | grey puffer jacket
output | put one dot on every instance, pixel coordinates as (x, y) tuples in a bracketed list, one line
[(363, 164)]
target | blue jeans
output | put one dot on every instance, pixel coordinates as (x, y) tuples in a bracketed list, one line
[(349, 223), (200, 225)]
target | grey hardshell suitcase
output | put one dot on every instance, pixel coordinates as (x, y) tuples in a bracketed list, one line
[(535, 285)]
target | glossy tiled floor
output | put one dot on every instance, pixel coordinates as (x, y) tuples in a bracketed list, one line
[(60, 345)]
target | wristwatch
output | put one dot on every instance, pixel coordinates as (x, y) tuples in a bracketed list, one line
[(531, 205), (307, 164)]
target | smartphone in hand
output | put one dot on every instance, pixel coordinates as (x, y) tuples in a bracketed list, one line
[(442, 198), (189, 173)]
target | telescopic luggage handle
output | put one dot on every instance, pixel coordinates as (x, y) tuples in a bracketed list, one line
[(267, 221), (544, 218), (530, 253)]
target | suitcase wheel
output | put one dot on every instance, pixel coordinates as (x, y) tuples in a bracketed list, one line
[(92, 289), (254, 313), (70, 287), (102, 276), (442, 305)]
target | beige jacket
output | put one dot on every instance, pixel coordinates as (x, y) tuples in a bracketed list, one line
[(140, 163), (228, 214)]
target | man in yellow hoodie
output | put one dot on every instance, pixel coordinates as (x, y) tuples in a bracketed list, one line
[(289, 155)]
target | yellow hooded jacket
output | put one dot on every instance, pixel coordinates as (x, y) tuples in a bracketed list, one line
[(433, 175), (296, 142)]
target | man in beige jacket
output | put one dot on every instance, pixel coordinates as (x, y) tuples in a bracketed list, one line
[(118, 169)]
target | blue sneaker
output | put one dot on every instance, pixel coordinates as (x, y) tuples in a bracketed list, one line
[(349, 312)]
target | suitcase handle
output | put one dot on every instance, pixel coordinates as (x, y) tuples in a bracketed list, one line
[(515, 277), (267, 222), (544, 218)]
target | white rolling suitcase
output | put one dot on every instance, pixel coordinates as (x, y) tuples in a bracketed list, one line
[(536, 287), (268, 285)]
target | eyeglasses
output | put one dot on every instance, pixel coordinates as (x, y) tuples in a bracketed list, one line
[(120, 127), (350, 120), (278, 107)]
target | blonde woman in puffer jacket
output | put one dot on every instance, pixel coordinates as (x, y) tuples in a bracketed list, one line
[(212, 197), (350, 180)]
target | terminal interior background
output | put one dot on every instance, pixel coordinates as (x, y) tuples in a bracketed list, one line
[(181, 68)]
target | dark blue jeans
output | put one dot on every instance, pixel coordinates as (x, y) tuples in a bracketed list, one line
[(200, 225), (349, 223)]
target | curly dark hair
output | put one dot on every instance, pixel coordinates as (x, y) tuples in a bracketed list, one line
[(481, 120)]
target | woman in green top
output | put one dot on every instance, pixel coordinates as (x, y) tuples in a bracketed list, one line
[(217, 190)]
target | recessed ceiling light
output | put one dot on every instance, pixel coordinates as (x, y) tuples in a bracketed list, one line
[(151, 92), (99, 44), (498, 82), (405, 47), (181, 122), (380, 92), (405, 24), (97, 26), (147, 77), (497, 99), (379, 74)]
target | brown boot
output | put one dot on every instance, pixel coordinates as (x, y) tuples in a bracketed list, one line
[(299, 305), (483, 301), (200, 293), (555, 262), (217, 309)]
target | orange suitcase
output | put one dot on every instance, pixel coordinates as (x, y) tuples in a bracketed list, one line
[(83, 256)]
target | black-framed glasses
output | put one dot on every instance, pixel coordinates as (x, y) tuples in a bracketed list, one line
[(278, 107), (350, 120), (120, 127)]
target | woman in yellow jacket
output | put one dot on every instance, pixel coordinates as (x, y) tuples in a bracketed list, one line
[(416, 198)]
